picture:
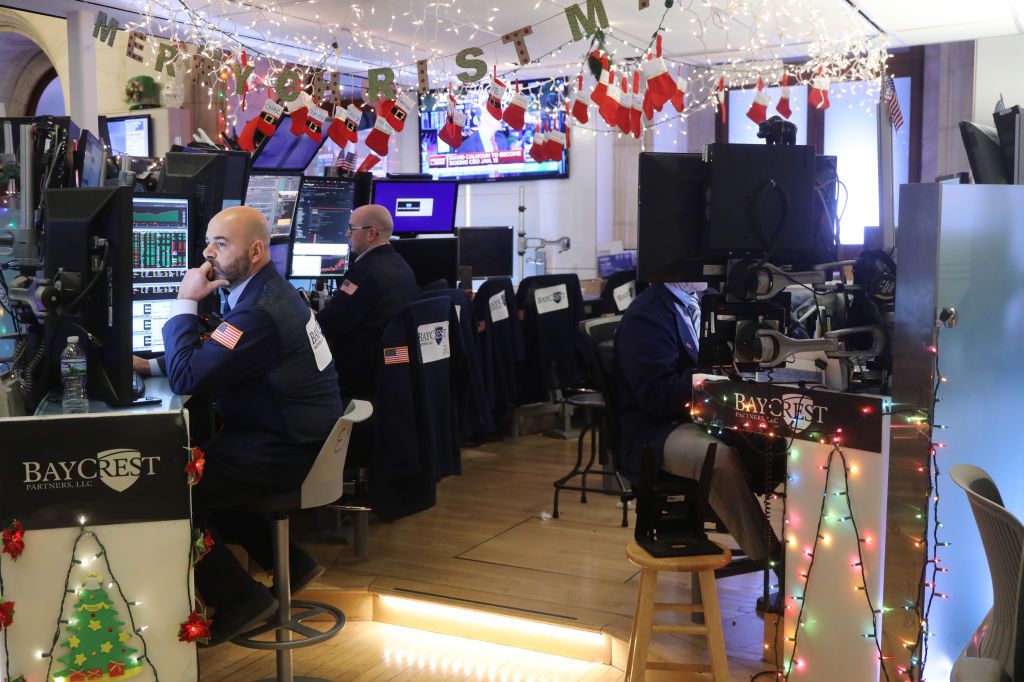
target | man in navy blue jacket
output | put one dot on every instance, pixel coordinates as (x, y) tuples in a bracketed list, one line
[(271, 373), (655, 358)]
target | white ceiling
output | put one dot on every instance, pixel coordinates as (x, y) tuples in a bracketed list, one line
[(399, 31)]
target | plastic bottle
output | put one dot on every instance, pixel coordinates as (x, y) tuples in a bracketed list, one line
[(73, 372)]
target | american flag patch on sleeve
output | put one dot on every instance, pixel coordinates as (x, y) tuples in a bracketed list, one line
[(226, 335), (399, 355), (349, 287)]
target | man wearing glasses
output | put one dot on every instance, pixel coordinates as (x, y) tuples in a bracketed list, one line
[(378, 283)]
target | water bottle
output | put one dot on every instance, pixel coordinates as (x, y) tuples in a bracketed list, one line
[(72, 372)]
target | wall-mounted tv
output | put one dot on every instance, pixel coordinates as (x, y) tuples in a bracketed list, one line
[(490, 150)]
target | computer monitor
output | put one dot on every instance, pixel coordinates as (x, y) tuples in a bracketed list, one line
[(319, 245), (279, 255), (431, 258), (78, 222), (201, 178), (489, 251), (130, 135), (1008, 129), (160, 238), (274, 196), (984, 154), (284, 151), (419, 207), (90, 159), (236, 166)]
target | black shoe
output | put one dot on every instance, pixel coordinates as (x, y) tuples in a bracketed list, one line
[(301, 581), (232, 620), (775, 605), (303, 570)]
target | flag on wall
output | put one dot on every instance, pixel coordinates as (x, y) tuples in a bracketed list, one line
[(892, 102)]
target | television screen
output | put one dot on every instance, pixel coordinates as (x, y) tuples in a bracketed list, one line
[(129, 135), (490, 150), (419, 207), (284, 151), (320, 227)]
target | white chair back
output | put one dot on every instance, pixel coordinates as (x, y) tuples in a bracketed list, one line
[(325, 480)]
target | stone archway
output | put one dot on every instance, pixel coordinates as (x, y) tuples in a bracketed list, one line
[(25, 56)]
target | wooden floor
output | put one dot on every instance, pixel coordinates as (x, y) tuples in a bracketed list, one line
[(486, 543)]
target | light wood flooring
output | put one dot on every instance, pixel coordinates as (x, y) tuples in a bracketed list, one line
[(486, 545)]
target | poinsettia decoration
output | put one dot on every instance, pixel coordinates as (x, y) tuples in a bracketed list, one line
[(202, 543), (6, 614), (13, 539), (195, 629), (195, 466)]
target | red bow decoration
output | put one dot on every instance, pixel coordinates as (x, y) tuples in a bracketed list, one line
[(13, 538), (6, 614), (195, 466), (195, 629), (202, 543)]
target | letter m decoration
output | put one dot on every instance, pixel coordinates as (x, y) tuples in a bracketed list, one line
[(105, 30), (582, 26)]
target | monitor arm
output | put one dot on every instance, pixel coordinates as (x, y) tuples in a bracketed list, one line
[(749, 280), (772, 348)]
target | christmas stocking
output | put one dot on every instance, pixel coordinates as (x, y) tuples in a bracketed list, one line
[(609, 108), (380, 136), (758, 110), (337, 131), (369, 162), (266, 122), (635, 112), (647, 106), (354, 117), (515, 114), (783, 106), (494, 96), (818, 95), (537, 150), (315, 122), (554, 145), (451, 133), (397, 111), (299, 110), (679, 99), (720, 96), (579, 105), (600, 91), (625, 106), (659, 82), (247, 138)]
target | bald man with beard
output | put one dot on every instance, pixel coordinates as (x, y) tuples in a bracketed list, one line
[(274, 383)]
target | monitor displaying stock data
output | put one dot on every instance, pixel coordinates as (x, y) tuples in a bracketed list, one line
[(319, 246), (274, 196), (160, 238)]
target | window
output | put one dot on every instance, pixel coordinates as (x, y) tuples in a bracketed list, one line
[(47, 97), (744, 131)]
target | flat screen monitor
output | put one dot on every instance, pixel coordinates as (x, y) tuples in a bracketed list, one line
[(130, 135), (236, 167), (90, 160), (988, 165), (431, 258), (489, 251), (160, 238), (419, 207), (279, 256), (1008, 128), (274, 196), (201, 178), (284, 151), (319, 246), (490, 150)]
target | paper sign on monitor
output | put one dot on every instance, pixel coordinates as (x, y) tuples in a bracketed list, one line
[(414, 208)]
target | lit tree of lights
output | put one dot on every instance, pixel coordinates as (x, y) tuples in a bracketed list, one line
[(97, 643)]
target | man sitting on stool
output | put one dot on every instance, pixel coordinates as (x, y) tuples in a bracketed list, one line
[(273, 379), (655, 358)]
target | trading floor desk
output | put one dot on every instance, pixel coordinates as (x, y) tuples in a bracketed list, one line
[(834, 516), (104, 577)]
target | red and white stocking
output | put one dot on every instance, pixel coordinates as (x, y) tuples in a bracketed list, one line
[(818, 95), (625, 106), (579, 105), (247, 138), (353, 119), (397, 111), (267, 121), (635, 112), (368, 163), (554, 145), (679, 99), (337, 130), (515, 113), (299, 111), (537, 149), (494, 95), (451, 133), (380, 137), (609, 108), (720, 95), (783, 106), (315, 120), (758, 110), (600, 91), (659, 82)]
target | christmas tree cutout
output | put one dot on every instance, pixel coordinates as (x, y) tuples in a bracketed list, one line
[(97, 643)]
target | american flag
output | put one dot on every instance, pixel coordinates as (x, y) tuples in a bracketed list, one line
[(399, 355), (226, 335), (349, 287), (346, 162), (1000, 105), (892, 102)]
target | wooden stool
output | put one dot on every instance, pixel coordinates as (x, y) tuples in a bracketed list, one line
[(643, 620)]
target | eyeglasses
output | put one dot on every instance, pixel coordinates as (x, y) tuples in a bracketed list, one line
[(366, 227)]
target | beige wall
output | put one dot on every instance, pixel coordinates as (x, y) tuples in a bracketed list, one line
[(49, 34)]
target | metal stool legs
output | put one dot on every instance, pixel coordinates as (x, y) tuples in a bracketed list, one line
[(595, 430), (285, 624)]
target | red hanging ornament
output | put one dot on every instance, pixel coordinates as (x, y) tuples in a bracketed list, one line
[(758, 110), (267, 121), (380, 137), (202, 543), (337, 131), (679, 99), (451, 133), (635, 112), (601, 89), (368, 163), (609, 108), (515, 113), (554, 145), (783, 106), (720, 96), (13, 539), (195, 466), (195, 629), (299, 111), (6, 614), (659, 82), (579, 105), (494, 95), (818, 95), (625, 106), (537, 151)]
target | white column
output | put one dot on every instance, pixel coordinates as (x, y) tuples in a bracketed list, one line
[(82, 68)]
